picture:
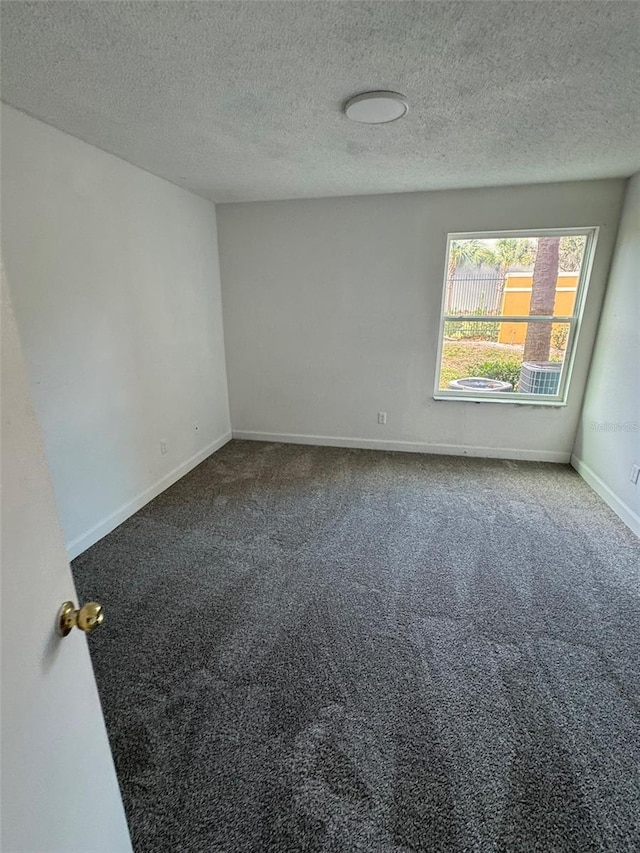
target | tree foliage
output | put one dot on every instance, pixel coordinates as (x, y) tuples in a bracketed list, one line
[(571, 252), (507, 253), (467, 252), (513, 251)]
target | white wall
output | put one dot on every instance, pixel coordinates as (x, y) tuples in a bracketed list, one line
[(115, 282), (608, 437), (331, 311)]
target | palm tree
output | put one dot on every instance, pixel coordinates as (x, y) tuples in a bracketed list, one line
[(537, 344), (508, 253), (471, 252), (512, 251)]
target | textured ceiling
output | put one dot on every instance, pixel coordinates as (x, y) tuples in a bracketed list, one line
[(242, 100)]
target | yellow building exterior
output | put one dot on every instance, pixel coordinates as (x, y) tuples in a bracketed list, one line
[(516, 300)]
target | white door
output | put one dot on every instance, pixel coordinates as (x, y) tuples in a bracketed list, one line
[(59, 787)]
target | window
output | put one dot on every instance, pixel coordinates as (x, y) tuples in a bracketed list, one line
[(511, 311)]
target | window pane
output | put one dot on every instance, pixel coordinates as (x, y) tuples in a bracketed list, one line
[(470, 292), (476, 357), (514, 275)]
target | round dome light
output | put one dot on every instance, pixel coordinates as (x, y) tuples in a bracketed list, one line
[(376, 107)]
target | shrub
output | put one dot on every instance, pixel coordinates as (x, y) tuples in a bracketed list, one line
[(559, 336), (505, 369)]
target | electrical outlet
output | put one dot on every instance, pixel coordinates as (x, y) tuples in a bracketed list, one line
[(635, 473), (163, 446), (382, 417)]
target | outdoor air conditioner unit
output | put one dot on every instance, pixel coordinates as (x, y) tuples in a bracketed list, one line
[(540, 377)]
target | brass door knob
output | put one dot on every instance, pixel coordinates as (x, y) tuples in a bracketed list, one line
[(87, 618)]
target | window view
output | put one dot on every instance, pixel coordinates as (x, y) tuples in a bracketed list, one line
[(511, 310)]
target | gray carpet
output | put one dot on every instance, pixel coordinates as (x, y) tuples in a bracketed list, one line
[(317, 649)]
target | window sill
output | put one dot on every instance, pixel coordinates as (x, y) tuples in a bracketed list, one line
[(503, 399)]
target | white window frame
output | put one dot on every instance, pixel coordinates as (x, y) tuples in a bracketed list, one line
[(574, 320)]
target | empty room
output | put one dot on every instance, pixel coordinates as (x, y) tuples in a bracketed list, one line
[(320, 426)]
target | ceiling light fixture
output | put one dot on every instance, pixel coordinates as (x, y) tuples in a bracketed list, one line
[(376, 107)]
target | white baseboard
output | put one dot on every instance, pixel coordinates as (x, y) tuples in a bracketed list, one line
[(407, 446), (630, 518), (91, 536)]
